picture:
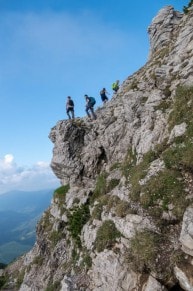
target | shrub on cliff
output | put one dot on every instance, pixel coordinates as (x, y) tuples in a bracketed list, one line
[(106, 236), (186, 8), (77, 218)]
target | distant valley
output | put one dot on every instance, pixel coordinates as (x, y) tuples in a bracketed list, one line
[(19, 214)]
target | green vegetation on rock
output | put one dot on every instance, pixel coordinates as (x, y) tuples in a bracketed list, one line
[(60, 193), (186, 8), (60, 197), (101, 187), (164, 190), (107, 235), (3, 281), (139, 172), (56, 286), (143, 251), (77, 218)]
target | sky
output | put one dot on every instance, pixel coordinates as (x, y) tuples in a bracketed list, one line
[(50, 49)]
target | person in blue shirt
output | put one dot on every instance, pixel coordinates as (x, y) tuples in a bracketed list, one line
[(90, 102)]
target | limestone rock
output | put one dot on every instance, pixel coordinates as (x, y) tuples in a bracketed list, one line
[(178, 130), (186, 236), (161, 28), (185, 279), (108, 273), (153, 285)]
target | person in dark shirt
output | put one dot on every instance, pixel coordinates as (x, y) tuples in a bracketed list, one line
[(70, 108), (103, 94)]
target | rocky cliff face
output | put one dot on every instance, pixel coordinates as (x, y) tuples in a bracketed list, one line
[(123, 217)]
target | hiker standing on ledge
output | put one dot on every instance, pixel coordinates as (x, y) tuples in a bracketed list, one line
[(70, 108), (90, 102), (115, 86), (103, 94)]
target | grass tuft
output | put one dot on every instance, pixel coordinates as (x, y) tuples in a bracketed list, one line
[(106, 236)]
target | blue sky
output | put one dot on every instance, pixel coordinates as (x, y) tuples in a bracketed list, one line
[(50, 49)]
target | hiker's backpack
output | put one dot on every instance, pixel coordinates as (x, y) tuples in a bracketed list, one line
[(92, 100), (71, 103)]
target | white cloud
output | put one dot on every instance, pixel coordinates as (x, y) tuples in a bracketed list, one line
[(7, 162), (8, 159), (36, 177), (42, 164)]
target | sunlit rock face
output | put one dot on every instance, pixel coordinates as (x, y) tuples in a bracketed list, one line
[(122, 218), (162, 28)]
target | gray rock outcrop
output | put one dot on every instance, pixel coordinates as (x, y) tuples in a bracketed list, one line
[(186, 236), (162, 28)]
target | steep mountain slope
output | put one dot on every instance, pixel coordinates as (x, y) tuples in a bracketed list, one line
[(123, 218)]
